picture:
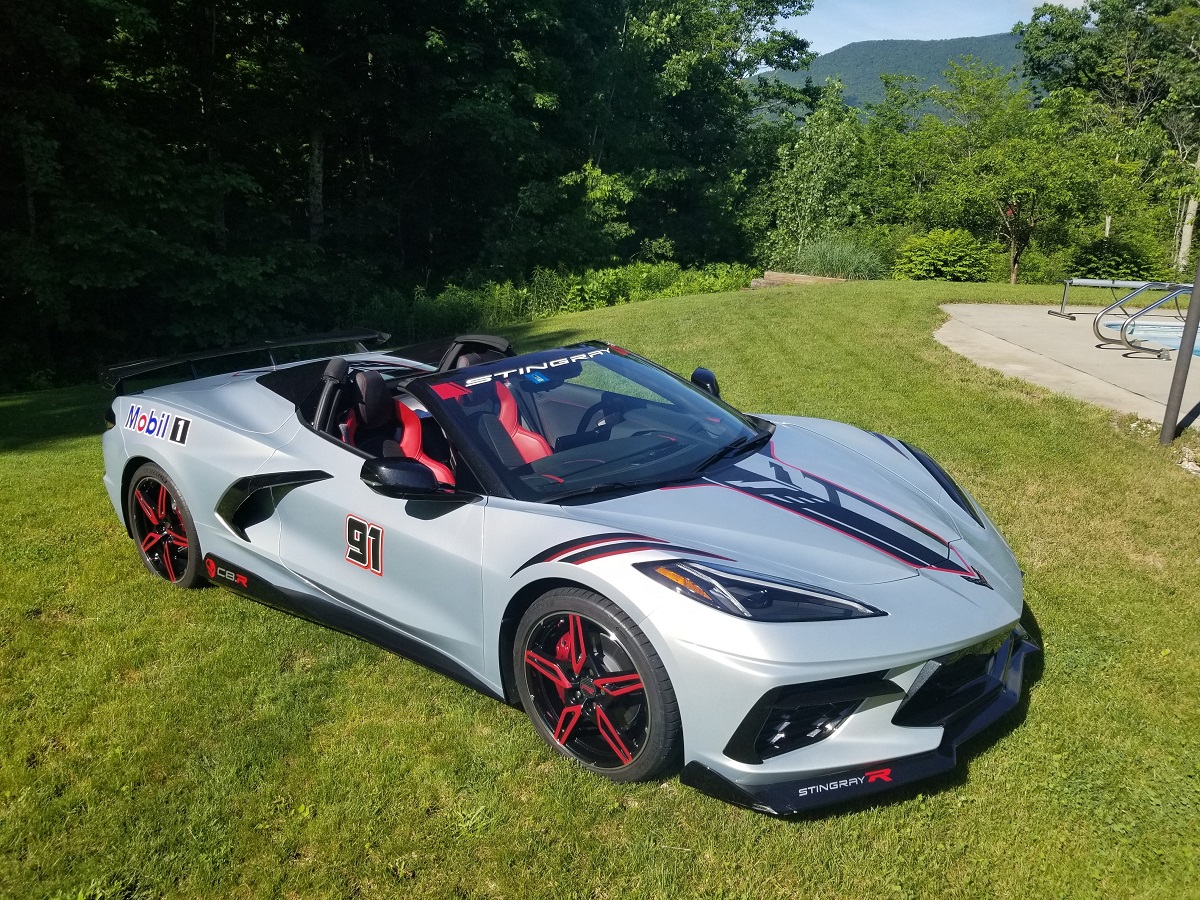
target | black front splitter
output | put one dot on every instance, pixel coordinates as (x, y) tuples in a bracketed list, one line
[(785, 798)]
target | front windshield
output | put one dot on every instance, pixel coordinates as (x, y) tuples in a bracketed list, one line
[(586, 418)]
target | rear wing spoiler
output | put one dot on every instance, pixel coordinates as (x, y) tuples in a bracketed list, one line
[(189, 367)]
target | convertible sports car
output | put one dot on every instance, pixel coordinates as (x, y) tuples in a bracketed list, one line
[(795, 611)]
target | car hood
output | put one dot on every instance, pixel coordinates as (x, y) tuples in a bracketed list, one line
[(822, 503)]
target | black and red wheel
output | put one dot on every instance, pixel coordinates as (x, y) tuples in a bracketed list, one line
[(162, 526), (594, 687)]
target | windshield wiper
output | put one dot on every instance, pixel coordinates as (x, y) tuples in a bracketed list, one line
[(743, 444)]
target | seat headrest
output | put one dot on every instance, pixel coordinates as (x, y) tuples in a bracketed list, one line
[(473, 359), (373, 401)]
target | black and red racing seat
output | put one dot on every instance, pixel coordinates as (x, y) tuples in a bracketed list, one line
[(530, 445), (412, 440), (382, 426)]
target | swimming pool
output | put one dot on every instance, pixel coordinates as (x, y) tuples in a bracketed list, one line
[(1164, 334)]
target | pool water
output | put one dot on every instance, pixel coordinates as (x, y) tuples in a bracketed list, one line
[(1161, 333)]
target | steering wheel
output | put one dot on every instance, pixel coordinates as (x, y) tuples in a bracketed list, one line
[(599, 411)]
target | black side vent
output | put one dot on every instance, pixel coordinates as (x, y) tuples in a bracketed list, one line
[(249, 501), (798, 715)]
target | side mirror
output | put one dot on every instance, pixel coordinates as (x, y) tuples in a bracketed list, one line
[(706, 380), (399, 476)]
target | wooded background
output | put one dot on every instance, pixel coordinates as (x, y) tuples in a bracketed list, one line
[(178, 174)]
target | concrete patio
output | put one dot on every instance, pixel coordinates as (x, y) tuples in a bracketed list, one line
[(1063, 355)]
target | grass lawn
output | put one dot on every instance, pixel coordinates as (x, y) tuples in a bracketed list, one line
[(155, 742)]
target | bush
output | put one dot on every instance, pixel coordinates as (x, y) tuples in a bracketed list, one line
[(885, 240), (944, 254), (1037, 267), (835, 256), (1115, 258), (547, 293)]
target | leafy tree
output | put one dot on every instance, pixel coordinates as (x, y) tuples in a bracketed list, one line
[(1139, 60), (1018, 172), (813, 188), (196, 173)]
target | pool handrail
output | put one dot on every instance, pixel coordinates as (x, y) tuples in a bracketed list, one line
[(1131, 343), (1145, 286)]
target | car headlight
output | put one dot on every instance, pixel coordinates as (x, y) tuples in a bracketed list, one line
[(750, 596)]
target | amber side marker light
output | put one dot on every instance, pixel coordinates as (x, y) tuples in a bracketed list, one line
[(686, 583)]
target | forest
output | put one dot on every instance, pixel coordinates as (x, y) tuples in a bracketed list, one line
[(178, 175)]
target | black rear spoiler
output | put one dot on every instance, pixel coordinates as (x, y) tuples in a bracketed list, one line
[(115, 376)]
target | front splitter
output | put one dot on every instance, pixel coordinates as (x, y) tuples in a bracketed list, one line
[(784, 798)]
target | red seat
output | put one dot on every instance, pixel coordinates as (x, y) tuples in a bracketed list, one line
[(529, 444), (411, 439)]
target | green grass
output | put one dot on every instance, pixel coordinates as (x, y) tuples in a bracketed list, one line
[(161, 743)]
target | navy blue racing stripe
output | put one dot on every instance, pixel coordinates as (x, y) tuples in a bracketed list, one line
[(583, 556), (593, 540), (832, 514)]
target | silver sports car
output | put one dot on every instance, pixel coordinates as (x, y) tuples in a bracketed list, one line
[(794, 611)]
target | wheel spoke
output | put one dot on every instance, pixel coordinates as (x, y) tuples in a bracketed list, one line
[(166, 558), (177, 539), (546, 667), (611, 736), (151, 539), (163, 497), (146, 510), (577, 645), (617, 685), (566, 723)]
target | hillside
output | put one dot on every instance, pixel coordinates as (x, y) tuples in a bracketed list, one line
[(860, 64)]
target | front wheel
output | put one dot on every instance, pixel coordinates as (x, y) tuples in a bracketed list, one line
[(593, 686), (162, 526)]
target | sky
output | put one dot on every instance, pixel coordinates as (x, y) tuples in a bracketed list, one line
[(833, 23)]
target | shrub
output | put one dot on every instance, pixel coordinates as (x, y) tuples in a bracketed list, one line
[(1115, 258), (886, 240), (945, 254), (1037, 267), (547, 293)]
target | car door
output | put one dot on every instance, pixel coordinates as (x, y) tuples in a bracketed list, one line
[(412, 564)]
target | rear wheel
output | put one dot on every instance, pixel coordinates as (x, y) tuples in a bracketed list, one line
[(162, 526), (594, 687)]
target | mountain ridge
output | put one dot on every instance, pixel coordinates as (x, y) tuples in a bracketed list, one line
[(859, 64)]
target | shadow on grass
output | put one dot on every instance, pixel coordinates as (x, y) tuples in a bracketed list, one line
[(1188, 420), (958, 776), (36, 420), (526, 341)]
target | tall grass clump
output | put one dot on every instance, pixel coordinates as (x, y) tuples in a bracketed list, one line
[(835, 256)]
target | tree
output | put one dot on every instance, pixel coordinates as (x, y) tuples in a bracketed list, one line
[(813, 189), (1016, 171), (1138, 59), (178, 174)]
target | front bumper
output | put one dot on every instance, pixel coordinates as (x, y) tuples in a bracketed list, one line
[(787, 797)]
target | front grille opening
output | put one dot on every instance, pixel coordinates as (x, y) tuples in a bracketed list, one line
[(956, 685), (799, 715)]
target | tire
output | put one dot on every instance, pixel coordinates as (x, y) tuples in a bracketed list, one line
[(162, 527), (611, 708)]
